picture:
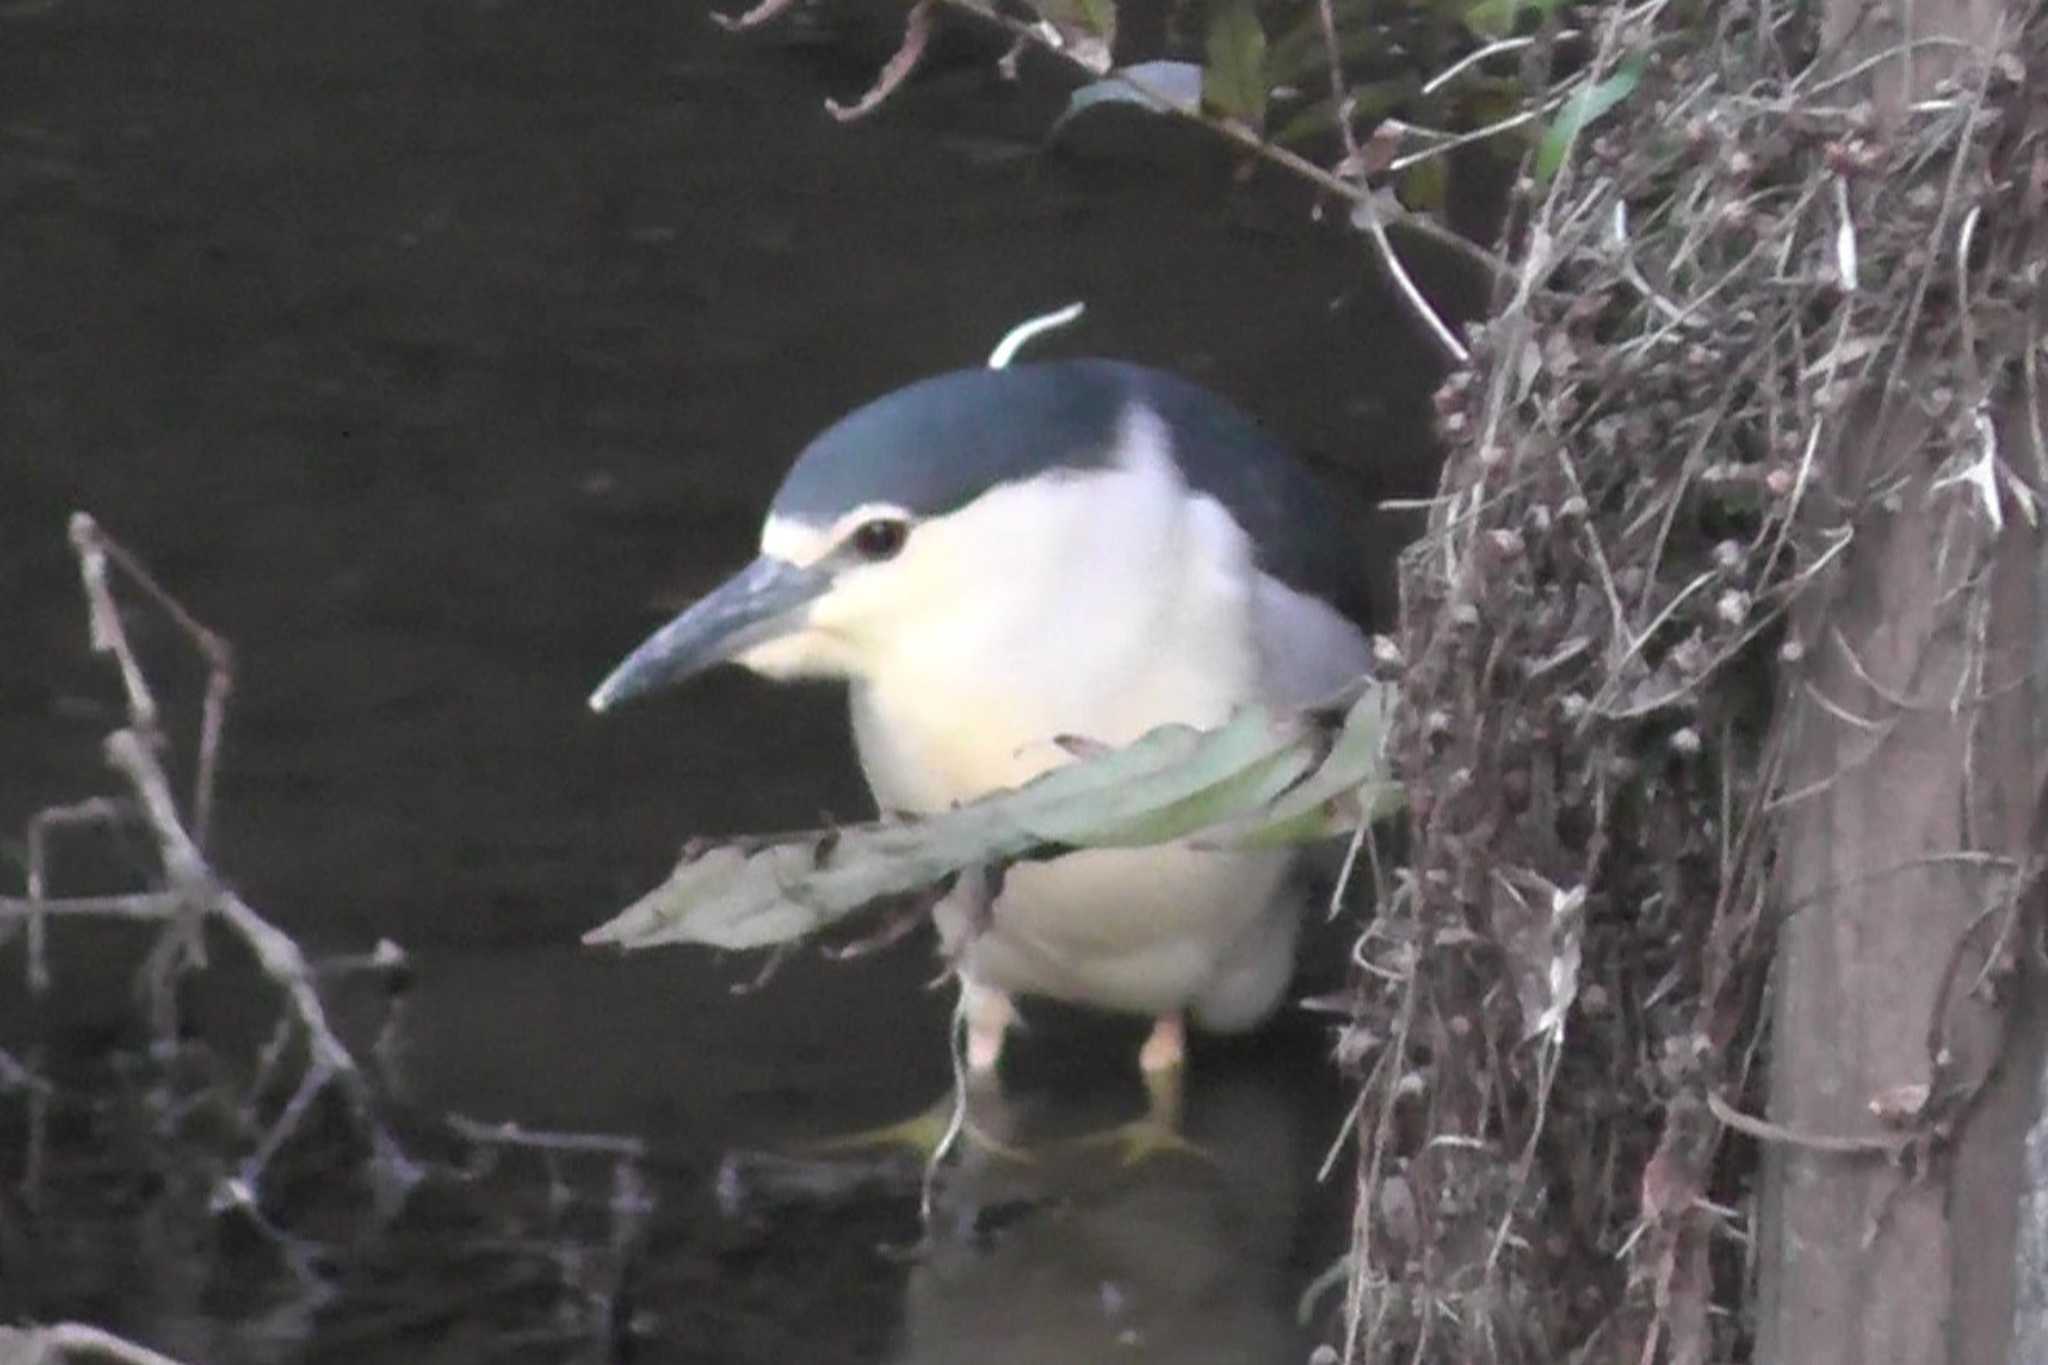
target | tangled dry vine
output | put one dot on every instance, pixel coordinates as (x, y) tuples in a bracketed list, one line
[(1654, 475)]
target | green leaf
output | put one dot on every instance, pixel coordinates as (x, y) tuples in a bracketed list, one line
[(1490, 102), (1300, 55), (1426, 186), (1312, 119), (1345, 791), (1087, 28), (1262, 778), (1100, 16), (1369, 103), (1234, 80), (1586, 104), (1497, 18)]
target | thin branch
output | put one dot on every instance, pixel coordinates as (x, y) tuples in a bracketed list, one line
[(1333, 55), (195, 882), (194, 892), (1234, 131), (64, 1339), (1888, 1144), (100, 811), (511, 1134), (760, 14), (1487, 52), (152, 906), (94, 548), (917, 32)]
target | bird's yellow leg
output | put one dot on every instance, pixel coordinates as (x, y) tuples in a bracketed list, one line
[(1163, 1063), (1166, 1047), (984, 1019), (989, 1015), (930, 1132)]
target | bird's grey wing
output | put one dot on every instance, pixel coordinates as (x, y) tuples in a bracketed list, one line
[(1307, 650), (1297, 535)]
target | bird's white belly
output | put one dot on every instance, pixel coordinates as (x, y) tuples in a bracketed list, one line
[(1145, 930), (1102, 607)]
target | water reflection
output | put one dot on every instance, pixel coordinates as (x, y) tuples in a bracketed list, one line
[(1071, 1254), (1075, 1255), (522, 1252)]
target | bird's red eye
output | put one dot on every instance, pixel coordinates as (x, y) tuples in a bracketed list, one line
[(880, 539)]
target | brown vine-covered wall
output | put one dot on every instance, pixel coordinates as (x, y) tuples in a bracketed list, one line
[(1716, 664)]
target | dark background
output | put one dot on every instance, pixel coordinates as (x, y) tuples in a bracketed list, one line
[(426, 349)]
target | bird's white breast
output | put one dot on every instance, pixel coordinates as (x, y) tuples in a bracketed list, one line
[(1100, 606), (1096, 605)]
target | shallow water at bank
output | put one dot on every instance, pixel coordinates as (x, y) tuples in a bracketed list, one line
[(423, 351)]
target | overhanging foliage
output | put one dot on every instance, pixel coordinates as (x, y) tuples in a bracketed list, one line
[(1264, 777)]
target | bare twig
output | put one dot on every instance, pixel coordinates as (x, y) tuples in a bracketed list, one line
[(149, 906), (280, 958), (1881, 1144), (1333, 56), (1248, 139), (94, 548), (98, 811), (765, 12), (917, 32), (510, 1134), (59, 1341), (194, 893)]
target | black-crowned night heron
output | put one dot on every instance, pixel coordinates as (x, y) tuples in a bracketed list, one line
[(996, 558)]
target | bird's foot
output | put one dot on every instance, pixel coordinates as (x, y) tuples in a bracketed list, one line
[(1157, 1131), (1142, 1139), (924, 1134)]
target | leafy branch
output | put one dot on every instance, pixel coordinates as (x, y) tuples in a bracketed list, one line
[(1229, 94), (1262, 778)]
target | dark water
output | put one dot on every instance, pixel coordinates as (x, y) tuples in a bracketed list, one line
[(423, 349)]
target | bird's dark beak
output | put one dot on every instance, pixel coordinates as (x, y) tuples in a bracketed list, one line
[(757, 604)]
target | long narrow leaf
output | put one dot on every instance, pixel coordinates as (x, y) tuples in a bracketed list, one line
[(1262, 778), (1587, 104), (1497, 18), (1234, 76)]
